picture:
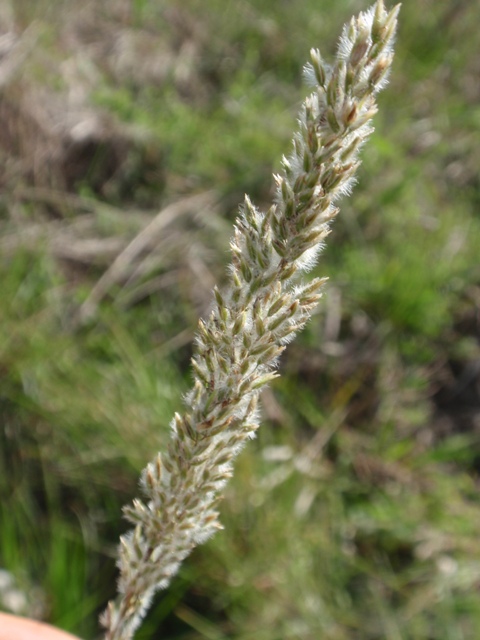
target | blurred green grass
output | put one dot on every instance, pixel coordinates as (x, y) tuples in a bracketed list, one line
[(355, 514)]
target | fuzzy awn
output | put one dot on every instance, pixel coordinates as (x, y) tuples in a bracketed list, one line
[(259, 311)]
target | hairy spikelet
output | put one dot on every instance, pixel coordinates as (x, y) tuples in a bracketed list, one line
[(263, 306)]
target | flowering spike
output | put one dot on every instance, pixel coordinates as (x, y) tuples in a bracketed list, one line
[(253, 319)]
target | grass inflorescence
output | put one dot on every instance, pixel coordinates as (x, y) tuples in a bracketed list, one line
[(355, 511)]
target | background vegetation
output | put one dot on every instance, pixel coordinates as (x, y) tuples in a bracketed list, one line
[(129, 131)]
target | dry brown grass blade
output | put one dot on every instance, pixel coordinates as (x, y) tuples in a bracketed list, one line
[(14, 50), (142, 242), (62, 241)]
